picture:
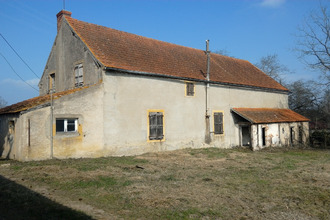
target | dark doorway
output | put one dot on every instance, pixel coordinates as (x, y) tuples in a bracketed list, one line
[(291, 135), (246, 136), (263, 133)]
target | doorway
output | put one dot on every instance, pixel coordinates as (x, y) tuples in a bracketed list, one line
[(246, 136), (292, 135), (263, 134)]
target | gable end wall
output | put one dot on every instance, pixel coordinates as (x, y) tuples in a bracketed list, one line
[(68, 51)]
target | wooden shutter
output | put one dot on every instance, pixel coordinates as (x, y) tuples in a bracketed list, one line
[(218, 123), (190, 89), (156, 126), (79, 75), (159, 116), (152, 126)]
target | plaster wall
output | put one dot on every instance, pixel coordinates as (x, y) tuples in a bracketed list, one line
[(128, 98), (32, 137), (68, 51), (224, 98), (280, 134)]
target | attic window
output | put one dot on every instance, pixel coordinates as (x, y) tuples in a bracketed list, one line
[(79, 75), (190, 89)]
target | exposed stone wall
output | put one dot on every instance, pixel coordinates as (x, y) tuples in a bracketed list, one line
[(280, 134)]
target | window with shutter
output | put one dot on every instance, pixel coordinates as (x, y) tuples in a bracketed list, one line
[(218, 122), (190, 89), (79, 75), (156, 131)]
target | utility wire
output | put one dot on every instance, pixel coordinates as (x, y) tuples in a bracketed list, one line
[(19, 56), (17, 73)]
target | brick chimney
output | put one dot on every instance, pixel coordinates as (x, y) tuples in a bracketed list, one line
[(60, 16)]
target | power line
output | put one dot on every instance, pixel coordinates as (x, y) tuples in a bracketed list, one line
[(19, 55), (17, 73)]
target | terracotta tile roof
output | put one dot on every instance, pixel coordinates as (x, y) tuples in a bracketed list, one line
[(118, 49), (269, 115), (30, 103)]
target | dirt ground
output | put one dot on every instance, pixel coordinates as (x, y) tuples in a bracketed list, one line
[(185, 184)]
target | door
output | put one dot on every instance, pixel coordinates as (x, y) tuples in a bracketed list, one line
[(246, 136)]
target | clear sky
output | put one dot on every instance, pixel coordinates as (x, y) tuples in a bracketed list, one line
[(247, 29)]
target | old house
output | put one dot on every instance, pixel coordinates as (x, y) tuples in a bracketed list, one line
[(108, 92)]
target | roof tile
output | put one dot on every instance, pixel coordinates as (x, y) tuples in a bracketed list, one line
[(122, 50), (33, 102), (269, 115)]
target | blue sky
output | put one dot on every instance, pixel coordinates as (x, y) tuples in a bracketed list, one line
[(247, 29)]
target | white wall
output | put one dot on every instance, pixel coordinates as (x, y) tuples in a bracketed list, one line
[(129, 97)]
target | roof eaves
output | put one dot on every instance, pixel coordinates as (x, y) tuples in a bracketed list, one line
[(243, 116), (134, 72)]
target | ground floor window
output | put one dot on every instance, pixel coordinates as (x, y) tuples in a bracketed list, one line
[(218, 122), (67, 125), (156, 125)]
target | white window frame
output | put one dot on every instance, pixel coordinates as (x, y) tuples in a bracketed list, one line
[(66, 125)]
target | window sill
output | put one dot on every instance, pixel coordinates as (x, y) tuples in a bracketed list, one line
[(67, 134)]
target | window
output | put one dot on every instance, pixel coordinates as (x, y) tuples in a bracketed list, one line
[(190, 89), (52, 82), (218, 122), (79, 75), (156, 128), (66, 125)]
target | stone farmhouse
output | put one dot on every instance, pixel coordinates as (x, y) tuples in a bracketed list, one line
[(107, 92)]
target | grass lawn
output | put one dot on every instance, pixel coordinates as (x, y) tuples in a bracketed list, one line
[(275, 183)]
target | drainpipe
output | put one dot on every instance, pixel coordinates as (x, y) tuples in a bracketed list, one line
[(51, 124), (207, 114)]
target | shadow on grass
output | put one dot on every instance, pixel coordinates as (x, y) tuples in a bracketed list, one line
[(19, 202)]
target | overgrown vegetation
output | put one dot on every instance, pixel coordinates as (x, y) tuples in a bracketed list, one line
[(211, 183)]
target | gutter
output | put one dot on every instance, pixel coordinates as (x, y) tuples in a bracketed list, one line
[(141, 73)]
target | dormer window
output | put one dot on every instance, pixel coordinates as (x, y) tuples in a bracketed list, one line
[(79, 75)]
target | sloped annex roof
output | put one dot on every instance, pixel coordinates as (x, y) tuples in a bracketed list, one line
[(36, 101), (269, 115), (130, 52)]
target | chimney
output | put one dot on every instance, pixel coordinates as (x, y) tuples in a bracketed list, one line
[(60, 16)]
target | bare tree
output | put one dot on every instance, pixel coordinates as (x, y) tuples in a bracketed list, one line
[(313, 41), (272, 67), (304, 96), (3, 102)]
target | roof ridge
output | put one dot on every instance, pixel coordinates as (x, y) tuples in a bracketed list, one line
[(149, 38), (131, 52)]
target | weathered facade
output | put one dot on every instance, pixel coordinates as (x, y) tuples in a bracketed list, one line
[(106, 92)]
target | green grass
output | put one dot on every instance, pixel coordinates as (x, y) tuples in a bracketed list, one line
[(205, 183)]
